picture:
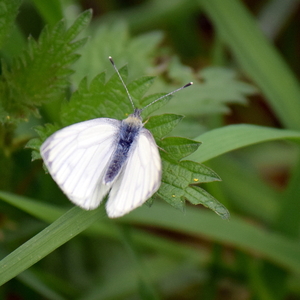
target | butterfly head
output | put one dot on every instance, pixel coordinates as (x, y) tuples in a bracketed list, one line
[(135, 119)]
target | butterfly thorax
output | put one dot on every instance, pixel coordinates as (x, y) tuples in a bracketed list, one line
[(134, 119), (125, 142)]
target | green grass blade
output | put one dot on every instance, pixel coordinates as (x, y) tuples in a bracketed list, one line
[(49, 213), (59, 232), (235, 232), (258, 57), (236, 179), (233, 137)]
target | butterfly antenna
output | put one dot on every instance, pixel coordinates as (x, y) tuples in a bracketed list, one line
[(181, 88), (112, 62)]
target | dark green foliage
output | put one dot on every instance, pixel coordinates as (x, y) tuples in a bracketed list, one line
[(8, 12), (157, 252), (41, 73)]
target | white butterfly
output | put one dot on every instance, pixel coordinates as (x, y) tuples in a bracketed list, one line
[(90, 159)]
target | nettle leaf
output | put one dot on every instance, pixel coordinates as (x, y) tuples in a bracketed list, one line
[(104, 99), (161, 125), (216, 88), (41, 73), (197, 195), (114, 40), (8, 13), (35, 143), (178, 147), (180, 183), (99, 99)]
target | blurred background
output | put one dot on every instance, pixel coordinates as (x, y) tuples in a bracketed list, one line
[(244, 60)]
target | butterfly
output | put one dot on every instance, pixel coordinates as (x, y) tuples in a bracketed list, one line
[(91, 159)]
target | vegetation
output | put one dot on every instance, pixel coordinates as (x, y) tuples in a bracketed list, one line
[(239, 122)]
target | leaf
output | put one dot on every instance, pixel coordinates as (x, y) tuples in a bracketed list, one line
[(178, 184), (8, 12), (178, 147), (51, 11), (56, 234), (114, 40), (218, 88), (161, 125), (234, 137), (237, 232), (35, 143), (40, 74), (258, 57), (197, 195)]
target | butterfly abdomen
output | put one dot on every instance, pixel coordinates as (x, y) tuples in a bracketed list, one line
[(128, 134)]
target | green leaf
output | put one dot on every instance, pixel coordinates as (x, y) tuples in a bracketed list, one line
[(50, 213), (178, 147), (8, 13), (197, 195), (233, 137), (50, 10), (36, 143), (258, 57), (114, 40), (178, 184), (161, 125), (56, 234), (236, 232), (41, 73), (218, 88)]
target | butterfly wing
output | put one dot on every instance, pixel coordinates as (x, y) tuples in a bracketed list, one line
[(139, 179), (77, 156)]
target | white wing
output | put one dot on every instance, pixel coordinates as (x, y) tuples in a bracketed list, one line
[(76, 157), (140, 178)]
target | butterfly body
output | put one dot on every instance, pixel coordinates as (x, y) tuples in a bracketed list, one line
[(126, 142)]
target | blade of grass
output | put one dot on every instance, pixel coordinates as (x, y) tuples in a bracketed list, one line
[(49, 213), (235, 232), (233, 137), (59, 232), (258, 57), (236, 179)]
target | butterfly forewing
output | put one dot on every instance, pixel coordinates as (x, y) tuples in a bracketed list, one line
[(139, 179), (77, 156)]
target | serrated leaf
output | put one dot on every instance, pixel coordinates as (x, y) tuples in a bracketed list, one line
[(172, 195), (178, 185), (80, 23), (178, 147), (8, 12), (139, 87), (161, 125), (35, 143), (40, 73), (188, 172), (156, 105), (114, 40), (104, 100), (197, 195), (218, 88)]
